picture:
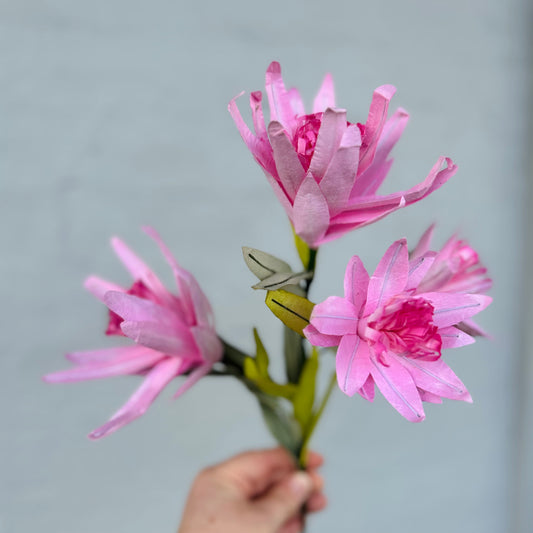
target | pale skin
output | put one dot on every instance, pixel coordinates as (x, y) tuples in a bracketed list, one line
[(254, 492)]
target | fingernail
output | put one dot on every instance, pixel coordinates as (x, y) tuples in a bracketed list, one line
[(300, 483)]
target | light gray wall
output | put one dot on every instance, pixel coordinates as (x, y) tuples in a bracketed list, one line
[(113, 115)]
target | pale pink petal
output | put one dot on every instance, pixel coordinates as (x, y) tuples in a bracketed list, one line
[(326, 95), (367, 391), (310, 215), (89, 357), (335, 316), (472, 328), (290, 170), (450, 308), (418, 268), (319, 339), (352, 363), (377, 115), (296, 102), (129, 364), (175, 340), (98, 287), (278, 100), (155, 381), (339, 177), (426, 396), (192, 378), (398, 387), (135, 309), (370, 180), (424, 243), (257, 114), (280, 193), (454, 338), (332, 129), (356, 280), (390, 276), (208, 343), (436, 377)]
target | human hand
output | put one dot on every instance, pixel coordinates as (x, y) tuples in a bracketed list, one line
[(254, 492)]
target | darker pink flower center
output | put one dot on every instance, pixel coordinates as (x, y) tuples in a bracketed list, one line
[(137, 289), (406, 326), (306, 134)]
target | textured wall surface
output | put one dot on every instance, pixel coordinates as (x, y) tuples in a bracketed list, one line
[(113, 115)]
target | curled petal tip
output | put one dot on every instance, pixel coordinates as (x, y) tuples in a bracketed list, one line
[(274, 67)]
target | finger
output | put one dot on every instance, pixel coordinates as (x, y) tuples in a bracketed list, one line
[(318, 481), (284, 500), (293, 525), (314, 460), (316, 502), (251, 473)]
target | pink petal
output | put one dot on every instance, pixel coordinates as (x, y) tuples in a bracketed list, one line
[(424, 243), (193, 377), (369, 181), (454, 338), (257, 114), (89, 357), (426, 396), (356, 280), (130, 364), (332, 129), (450, 308), (418, 268), (390, 276), (175, 340), (280, 193), (335, 316), (290, 170), (377, 115), (398, 387), (154, 382), (280, 105), (319, 339), (352, 363), (208, 343), (296, 102), (135, 309), (326, 95), (339, 177), (98, 287), (367, 391), (472, 328), (436, 377), (310, 216)]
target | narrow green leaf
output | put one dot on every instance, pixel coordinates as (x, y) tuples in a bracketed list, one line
[(261, 355), (293, 310), (264, 383), (294, 353), (262, 264), (304, 398)]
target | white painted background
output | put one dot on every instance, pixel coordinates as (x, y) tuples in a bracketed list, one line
[(113, 115)]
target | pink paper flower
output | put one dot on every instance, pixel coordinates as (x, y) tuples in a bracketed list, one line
[(172, 334), (456, 268), (391, 335), (324, 170)]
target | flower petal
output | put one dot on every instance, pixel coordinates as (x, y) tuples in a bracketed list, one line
[(451, 309), (390, 276), (133, 308), (377, 115), (330, 134), (352, 364), (208, 343), (290, 170), (326, 95), (454, 338), (367, 391), (175, 340), (320, 339), (424, 243), (278, 98), (436, 377), (356, 280), (418, 268), (310, 216), (428, 397), (129, 364), (193, 377), (397, 385), (335, 316), (339, 177), (154, 382), (98, 287), (89, 357)]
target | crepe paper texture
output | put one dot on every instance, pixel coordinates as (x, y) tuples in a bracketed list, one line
[(172, 334), (390, 329), (324, 170)]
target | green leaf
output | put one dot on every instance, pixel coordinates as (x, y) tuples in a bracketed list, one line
[(264, 383), (261, 355), (294, 353), (293, 310), (262, 264), (304, 398), (282, 279)]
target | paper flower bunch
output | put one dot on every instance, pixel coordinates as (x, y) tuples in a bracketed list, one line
[(389, 329)]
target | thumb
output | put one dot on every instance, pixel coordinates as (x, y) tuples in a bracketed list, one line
[(285, 499)]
